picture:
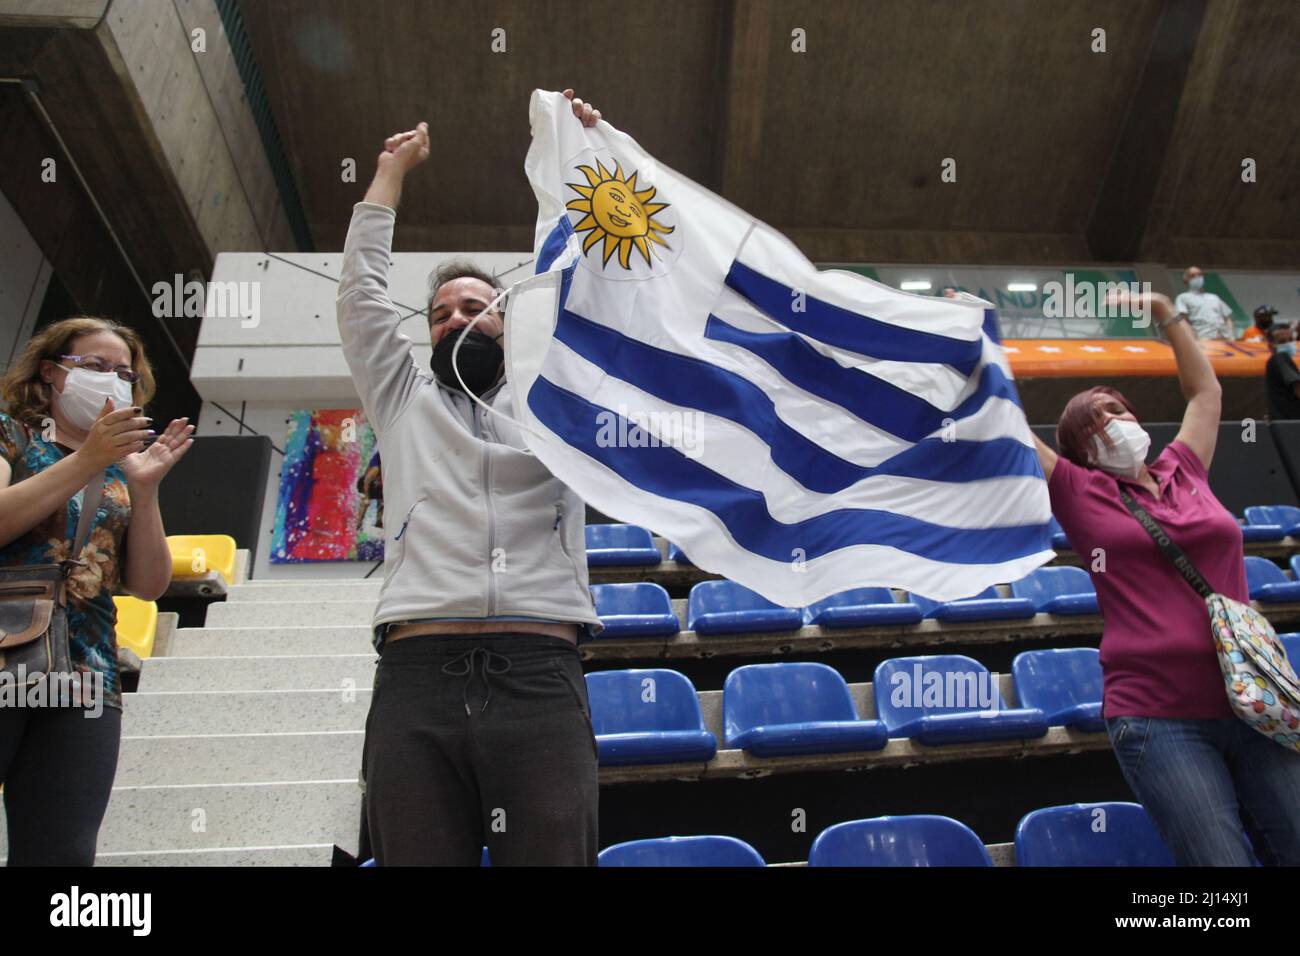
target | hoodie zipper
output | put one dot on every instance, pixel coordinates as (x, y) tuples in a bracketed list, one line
[(475, 417)]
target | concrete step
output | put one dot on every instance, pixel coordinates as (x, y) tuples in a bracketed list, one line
[(265, 672), (234, 758), (271, 642), (300, 613), (151, 819), (319, 854), (289, 613), (276, 591), (186, 713)]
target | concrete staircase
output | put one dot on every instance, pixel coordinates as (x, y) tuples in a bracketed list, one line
[(243, 744)]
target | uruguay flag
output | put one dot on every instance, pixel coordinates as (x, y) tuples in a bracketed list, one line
[(682, 366)]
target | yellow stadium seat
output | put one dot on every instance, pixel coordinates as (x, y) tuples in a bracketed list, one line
[(194, 555), (137, 624)]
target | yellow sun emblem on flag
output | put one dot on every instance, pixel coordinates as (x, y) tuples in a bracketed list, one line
[(619, 214)]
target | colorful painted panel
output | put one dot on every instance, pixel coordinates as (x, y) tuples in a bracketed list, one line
[(331, 505)]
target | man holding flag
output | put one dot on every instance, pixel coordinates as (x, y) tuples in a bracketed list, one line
[(844, 434), (479, 731)]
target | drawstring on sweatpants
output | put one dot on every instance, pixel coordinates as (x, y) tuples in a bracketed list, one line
[(467, 659)]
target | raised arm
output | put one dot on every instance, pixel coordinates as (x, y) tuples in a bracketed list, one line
[(29, 502), (1200, 386), (1196, 377), (402, 153), (1046, 457), (378, 354)]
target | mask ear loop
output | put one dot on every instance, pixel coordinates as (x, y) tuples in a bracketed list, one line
[(456, 368)]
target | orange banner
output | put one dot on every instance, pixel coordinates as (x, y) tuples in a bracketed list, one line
[(1086, 358)]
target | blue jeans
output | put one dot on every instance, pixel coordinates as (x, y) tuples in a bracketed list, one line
[(1204, 781)]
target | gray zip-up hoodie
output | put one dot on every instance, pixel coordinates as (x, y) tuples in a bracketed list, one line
[(476, 525)]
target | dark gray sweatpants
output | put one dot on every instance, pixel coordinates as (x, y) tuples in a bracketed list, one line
[(481, 740)]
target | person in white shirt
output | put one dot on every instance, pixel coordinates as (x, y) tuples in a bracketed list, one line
[(1207, 314)]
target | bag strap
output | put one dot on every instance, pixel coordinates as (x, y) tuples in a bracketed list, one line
[(91, 496), (1167, 547)]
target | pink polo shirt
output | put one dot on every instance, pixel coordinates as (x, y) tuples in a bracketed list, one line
[(1157, 655)]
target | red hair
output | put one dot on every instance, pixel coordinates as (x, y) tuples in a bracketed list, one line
[(1081, 420)]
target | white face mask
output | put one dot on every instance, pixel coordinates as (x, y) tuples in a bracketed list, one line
[(1129, 452), (84, 392), (1196, 283)]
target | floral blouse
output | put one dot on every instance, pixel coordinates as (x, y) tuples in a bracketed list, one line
[(92, 616)]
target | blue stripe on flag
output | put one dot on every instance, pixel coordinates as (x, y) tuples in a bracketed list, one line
[(991, 328), (669, 473), (555, 244), (850, 330), (693, 383), (871, 399)]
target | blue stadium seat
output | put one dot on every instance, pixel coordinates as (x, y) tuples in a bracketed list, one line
[(861, 607), (945, 699), (677, 554), (725, 607), (1058, 590), (1268, 583), (1059, 541), (681, 851), (1090, 834), (1261, 532), (1288, 516), (922, 840), (646, 717), (1291, 643), (1064, 684), (642, 609), (620, 545), (483, 860), (985, 606), (777, 710)]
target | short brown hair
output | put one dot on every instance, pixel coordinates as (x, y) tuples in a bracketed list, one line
[(454, 269), (1082, 420), (29, 396)]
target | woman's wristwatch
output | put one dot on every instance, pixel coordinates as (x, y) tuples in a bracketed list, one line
[(1178, 317)]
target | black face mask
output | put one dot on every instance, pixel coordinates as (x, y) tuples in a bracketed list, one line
[(479, 360)]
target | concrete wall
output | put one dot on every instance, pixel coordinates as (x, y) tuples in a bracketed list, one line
[(24, 277), (196, 108), (78, 14)]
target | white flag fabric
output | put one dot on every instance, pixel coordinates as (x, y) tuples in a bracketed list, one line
[(683, 367)]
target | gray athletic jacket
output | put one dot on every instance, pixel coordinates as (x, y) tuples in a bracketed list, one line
[(476, 526)]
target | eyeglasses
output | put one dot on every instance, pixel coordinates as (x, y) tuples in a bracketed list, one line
[(96, 364)]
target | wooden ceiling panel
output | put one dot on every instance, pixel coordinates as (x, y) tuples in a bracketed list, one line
[(1010, 90), (1245, 100), (346, 75), (841, 144)]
